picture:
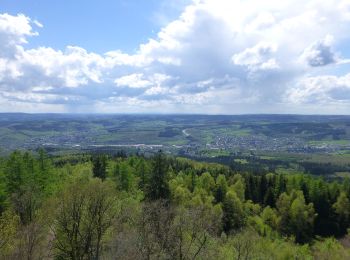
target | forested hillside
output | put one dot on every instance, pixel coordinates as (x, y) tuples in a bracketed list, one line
[(95, 206)]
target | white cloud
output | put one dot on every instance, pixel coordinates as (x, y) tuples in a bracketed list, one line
[(14, 31), (133, 81), (321, 89), (219, 56), (262, 21), (257, 57), (320, 53)]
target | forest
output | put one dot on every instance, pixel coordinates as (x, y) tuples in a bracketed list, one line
[(100, 206)]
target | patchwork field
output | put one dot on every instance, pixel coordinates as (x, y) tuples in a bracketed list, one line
[(280, 142)]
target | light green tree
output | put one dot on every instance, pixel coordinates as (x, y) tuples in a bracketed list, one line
[(296, 217)]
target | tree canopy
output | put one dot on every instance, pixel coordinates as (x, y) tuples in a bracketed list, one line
[(84, 206)]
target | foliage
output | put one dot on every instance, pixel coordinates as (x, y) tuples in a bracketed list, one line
[(159, 207), (84, 212), (8, 229)]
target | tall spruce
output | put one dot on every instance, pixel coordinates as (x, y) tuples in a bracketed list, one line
[(99, 169), (158, 184)]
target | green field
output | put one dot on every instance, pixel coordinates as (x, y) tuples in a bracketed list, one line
[(280, 143)]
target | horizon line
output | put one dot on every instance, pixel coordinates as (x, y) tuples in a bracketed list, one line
[(168, 114)]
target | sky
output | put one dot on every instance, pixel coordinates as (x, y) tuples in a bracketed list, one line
[(175, 56)]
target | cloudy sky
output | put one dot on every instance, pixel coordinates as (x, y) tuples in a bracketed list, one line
[(175, 56)]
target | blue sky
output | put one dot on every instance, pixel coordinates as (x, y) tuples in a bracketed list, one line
[(98, 26), (175, 56)]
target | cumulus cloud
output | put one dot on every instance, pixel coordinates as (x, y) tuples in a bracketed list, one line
[(320, 53), (14, 31), (217, 57), (138, 80), (257, 57), (133, 81), (321, 89)]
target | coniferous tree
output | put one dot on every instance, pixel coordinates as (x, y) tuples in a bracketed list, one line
[(269, 199), (342, 209), (262, 188), (193, 181), (143, 174), (221, 188), (158, 183), (99, 169), (233, 213)]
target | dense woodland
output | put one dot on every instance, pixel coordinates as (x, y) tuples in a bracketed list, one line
[(135, 207)]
